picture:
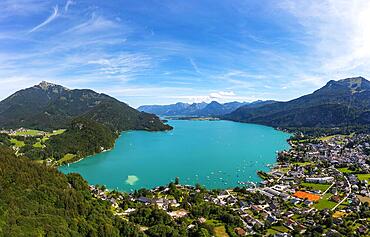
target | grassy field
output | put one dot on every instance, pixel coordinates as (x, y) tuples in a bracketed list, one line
[(67, 157), (345, 170), (57, 132), (272, 232), (284, 170), (38, 145), (302, 163), (46, 137), (54, 133), (280, 228), (220, 231), (324, 202), (363, 177), (29, 132), (328, 137), (277, 229), (17, 143), (217, 227), (315, 186), (332, 136)]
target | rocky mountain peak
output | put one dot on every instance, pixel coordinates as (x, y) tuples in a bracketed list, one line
[(48, 85)]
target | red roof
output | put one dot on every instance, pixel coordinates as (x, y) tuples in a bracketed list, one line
[(306, 195)]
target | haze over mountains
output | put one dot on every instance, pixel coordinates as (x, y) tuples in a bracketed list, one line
[(339, 103), (48, 106), (203, 109)]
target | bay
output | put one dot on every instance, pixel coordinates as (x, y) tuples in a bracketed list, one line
[(216, 154)]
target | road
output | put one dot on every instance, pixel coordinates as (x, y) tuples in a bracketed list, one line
[(350, 191)]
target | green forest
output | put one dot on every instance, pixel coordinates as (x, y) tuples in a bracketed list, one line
[(82, 138), (36, 200)]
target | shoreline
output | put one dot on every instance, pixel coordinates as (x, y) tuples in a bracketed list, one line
[(190, 118), (109, 149), (268, 166)]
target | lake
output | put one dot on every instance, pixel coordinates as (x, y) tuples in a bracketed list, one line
[(216, 154)]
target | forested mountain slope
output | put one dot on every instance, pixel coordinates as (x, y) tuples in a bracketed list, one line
[(48, 106), (339, 103), (36, 200)]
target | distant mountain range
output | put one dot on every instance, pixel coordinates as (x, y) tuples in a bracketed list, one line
[(48, 106), (212, 109), (339, 103)]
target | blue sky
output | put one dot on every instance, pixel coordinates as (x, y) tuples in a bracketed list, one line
[(164, 51)]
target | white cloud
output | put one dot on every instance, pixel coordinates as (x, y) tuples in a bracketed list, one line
[(47, 21), (11, 8), (93, 25), (194, 65), (124, 65), (222, 95), (338, 32), (68, 4)]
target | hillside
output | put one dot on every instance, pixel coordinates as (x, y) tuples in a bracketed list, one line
[(39, 201), (339, 103), (48, 106), (82, 138), (196, 109)]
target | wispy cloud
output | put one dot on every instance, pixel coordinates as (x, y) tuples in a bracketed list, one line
[(123, 66), (220, 96), (68, 4), (337, 32), (293, 46), (47, 21), (94, 24), (194, 65), (11, 8)]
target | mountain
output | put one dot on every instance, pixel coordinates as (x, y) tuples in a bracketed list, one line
[(196, 109), (338, 103), (47, 106), (259, 103), (212, 109), (168, 110)]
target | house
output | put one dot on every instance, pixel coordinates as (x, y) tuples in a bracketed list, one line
[(178, 213), (321, 180), (294, 201), (336, 198), (202, 220), (271, 219), (144, 200), (128, 211), (308, 202), (256, 208), (362, 230), (240, 231)]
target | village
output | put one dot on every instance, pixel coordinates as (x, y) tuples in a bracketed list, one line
[(318, 185)]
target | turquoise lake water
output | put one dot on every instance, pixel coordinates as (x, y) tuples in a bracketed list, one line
[(216, 154)]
